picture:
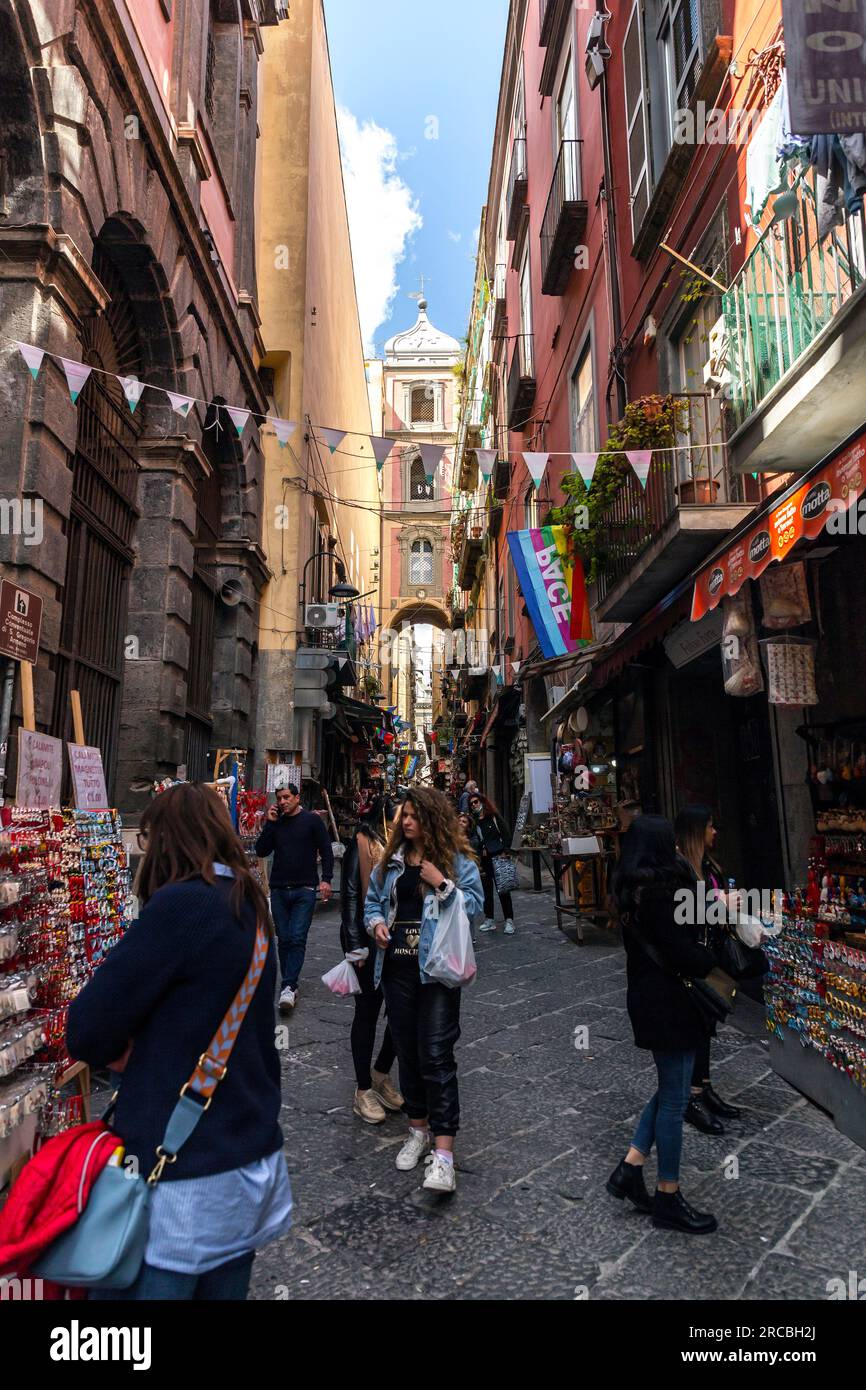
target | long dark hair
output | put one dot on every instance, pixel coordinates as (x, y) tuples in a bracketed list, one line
[(648, 856), (188, 830), (690, 828)]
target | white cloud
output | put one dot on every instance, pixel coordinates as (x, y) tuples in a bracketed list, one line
[(455, 236), (383, 215)]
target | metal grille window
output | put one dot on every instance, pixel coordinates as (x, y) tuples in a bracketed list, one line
[(423, 405), (210, 72), (421, 563)]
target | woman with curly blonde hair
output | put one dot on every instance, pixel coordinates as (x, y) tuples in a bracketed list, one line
[(427, 859)]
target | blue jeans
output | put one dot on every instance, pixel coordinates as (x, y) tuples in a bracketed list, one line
[(662, 1119), (292, 909), (230, 1281)]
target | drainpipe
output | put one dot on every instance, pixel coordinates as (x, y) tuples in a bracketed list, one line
[(5, 721), (613, 249)]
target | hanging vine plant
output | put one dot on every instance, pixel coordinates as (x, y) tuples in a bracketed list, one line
[(652, 422)]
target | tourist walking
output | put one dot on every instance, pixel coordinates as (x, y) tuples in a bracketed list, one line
[(495, 840), (152, 1010), (465, 797), (375, 1092), (426, 861), (696, 837), (661, 954), (297, 839)]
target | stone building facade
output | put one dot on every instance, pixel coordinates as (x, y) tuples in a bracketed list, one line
[(127, 167)]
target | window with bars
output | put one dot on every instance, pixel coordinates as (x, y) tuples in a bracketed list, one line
[(420, 488), (421, 563), (210, 71), (422, 405)]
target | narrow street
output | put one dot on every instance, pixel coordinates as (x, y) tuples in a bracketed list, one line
[(543, 1125)]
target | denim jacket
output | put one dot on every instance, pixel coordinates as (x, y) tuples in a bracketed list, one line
[(381, 903)]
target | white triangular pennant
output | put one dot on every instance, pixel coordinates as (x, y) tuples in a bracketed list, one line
[(238, 417), (76, 374), (486, 459), (515, 666), (132, 390), (431, 457), (585, 465), (182, 405), (536, 463), (333, 438), (381, 449), (283, 429), (640, 460), (32, 356)]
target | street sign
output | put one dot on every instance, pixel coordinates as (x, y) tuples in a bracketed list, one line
[(20, 622), (310, 680)]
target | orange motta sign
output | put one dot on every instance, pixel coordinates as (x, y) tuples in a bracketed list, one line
[(801, 513)]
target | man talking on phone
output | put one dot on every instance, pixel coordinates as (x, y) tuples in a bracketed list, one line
[(297, 839)]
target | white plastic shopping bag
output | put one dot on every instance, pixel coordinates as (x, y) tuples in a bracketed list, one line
[(452, 958), (343, 979)]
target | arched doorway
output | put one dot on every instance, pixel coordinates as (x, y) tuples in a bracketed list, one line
[(101, 525)]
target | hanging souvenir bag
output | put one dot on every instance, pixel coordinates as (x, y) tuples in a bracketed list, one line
[(105, 1247)]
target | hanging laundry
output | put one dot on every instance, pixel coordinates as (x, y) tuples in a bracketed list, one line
[(791, 147), (830, 167), (765, 171)]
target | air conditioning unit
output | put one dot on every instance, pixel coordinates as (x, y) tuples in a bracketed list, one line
[(323, 615)]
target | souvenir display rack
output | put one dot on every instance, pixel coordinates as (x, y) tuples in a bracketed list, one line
[(815, 990), (65, 900)]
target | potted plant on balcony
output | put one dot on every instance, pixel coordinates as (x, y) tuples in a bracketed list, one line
[(651, 422), (700, 491)]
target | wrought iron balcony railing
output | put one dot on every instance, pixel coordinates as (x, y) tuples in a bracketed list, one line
[(789, 290), (521, 382), (518, 185), (565, 218)]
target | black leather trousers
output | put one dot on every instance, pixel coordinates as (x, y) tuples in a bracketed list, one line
[(425, 1025)]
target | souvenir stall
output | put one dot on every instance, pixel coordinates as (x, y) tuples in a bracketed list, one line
[(65, 900)]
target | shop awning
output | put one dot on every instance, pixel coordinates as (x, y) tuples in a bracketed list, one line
[(643, 634), (506, 704), (798, 513), (359, 712)]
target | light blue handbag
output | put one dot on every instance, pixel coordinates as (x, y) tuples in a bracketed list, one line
[(105, 1248)]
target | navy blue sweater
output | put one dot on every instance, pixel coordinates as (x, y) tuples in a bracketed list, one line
[(168, 984), (297, 842)]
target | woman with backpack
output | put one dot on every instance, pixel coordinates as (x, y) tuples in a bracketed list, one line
[(375, 1092), (200, 956), (662, 961), (495, 840), (426, 862)]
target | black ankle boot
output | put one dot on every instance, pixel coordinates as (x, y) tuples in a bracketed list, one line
[(698, 1115), (671, 1212), (626, 1180), (717, 1106)]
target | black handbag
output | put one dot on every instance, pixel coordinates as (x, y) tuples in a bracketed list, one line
[(712, 996), (738, 960)]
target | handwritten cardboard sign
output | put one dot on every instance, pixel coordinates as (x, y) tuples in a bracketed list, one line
[(40, 769), (88, 778)]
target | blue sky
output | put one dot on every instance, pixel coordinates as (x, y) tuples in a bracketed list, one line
[(416, 87)]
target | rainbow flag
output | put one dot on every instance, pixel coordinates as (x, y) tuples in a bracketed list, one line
[(544, 572)]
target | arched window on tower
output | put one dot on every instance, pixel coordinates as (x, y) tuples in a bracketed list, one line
[(421, 563), (420, 489)]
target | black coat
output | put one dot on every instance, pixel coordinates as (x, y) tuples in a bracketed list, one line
[(353, 936), (662, 1015)]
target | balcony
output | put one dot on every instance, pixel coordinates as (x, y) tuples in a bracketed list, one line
[(518, 183), (795, 320), (521, 382), (471, 547), (564, 219), (545, 21), (650, 538), (500, 479), (500, 313)]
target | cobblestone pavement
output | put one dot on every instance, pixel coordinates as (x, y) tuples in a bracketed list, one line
[(543, 1124)]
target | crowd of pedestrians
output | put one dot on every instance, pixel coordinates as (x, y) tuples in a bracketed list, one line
[(205, 943)]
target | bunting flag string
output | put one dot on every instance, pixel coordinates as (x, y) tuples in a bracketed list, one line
[(536, 463), (434, 456)]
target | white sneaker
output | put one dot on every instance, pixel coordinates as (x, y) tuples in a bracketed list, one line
[(487, 926), (287, 1000), (441, 1176), (509, 927), (414, 1149)]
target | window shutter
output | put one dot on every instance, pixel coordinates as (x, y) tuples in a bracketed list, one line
[(636, 121)]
